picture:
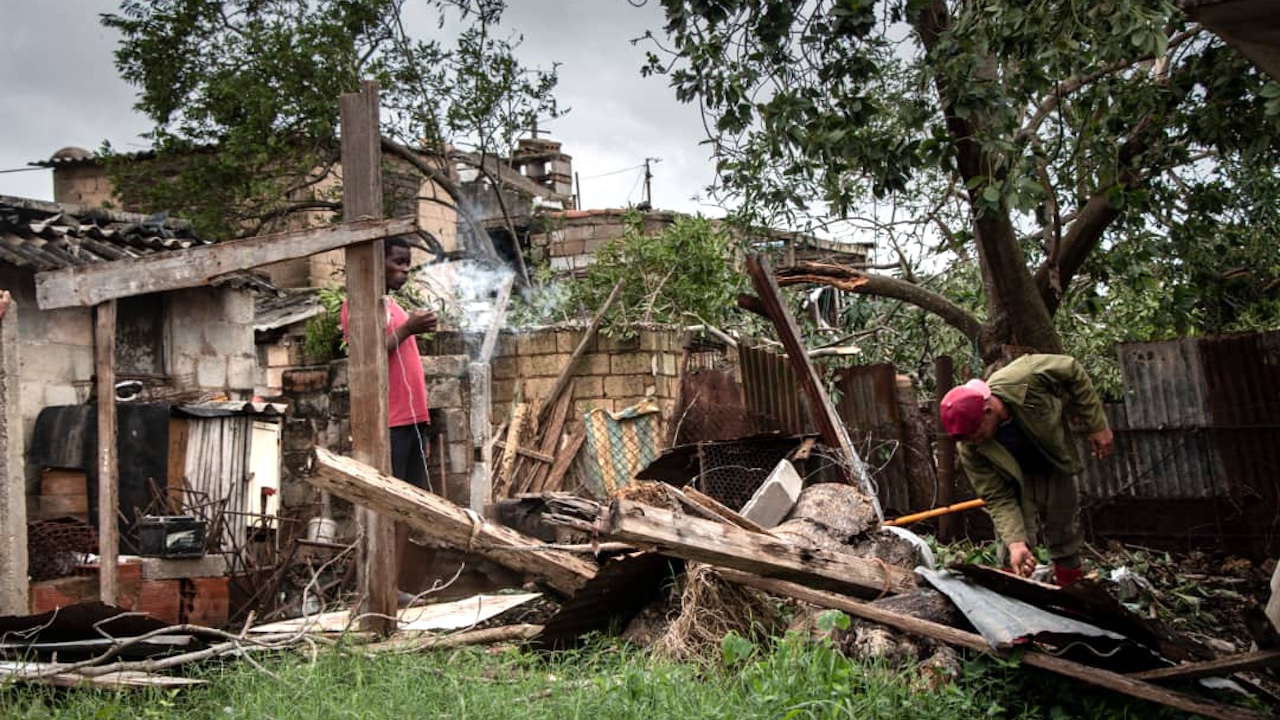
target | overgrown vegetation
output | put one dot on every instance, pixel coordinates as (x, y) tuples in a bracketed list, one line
[(792, 678), (683, 275)]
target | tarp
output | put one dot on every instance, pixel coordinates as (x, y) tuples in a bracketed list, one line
[(619, 445)]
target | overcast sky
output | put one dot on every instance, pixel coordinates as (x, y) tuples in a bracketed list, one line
[(61, 89)]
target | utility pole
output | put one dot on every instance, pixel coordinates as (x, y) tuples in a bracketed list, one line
[(648, 178)]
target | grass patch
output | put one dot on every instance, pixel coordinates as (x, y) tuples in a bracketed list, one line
[(788, 679)]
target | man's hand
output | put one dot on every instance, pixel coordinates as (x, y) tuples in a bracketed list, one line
[(1021, 559), (1100, 443), (421, 321)]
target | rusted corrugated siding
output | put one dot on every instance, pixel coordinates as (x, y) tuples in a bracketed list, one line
[(1163, 385), (868, 406), (770, 388), (1242, 381), (1150, 463)]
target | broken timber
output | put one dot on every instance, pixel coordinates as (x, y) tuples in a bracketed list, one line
[(88, 285), (442, 520), (728, 546), (771, 305), (960, 638)]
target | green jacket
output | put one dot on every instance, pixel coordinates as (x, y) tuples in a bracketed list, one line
[(1041, 392)]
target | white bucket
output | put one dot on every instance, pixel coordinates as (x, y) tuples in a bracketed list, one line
[(321, 529)]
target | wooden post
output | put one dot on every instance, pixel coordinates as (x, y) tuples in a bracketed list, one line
[(366, 338), (104, 351), (13, 486), (944, 377)]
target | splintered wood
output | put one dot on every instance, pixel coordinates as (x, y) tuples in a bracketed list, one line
[(442, 520)]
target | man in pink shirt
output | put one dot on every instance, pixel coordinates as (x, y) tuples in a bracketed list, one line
[(407, 415)]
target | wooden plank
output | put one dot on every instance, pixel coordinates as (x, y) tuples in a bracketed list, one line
[(973, 641), (366, 338), (14, 570), (499, 319), (104, 358), (1221, 667), (564, 460), (833, 432), (732, 547), (445, 522), (571, 366), (551, 437), (526, 452), (176, 478), (722, 511), (508, 464), (89, 285)]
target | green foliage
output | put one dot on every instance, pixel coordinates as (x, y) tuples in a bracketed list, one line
[(1095, 140), (680, 276), (323, 340), (791, 678), (244, 95)]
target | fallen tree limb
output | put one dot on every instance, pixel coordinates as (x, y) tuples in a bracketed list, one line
[(443, 521), (960, 638), (728, 546), (487, 636), (1221, 667)]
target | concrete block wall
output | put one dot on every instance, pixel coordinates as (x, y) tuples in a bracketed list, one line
[(614, 374), (570, 240), (211, 339)]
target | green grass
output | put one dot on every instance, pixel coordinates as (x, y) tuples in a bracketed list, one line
[(608, 681)]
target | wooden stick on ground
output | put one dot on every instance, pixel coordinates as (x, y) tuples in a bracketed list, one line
[(973, 641)]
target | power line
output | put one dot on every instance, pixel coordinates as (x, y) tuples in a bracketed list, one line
[(614, 172), (23, 169)]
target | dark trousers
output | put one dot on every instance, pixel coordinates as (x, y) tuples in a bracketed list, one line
[(410, 448)]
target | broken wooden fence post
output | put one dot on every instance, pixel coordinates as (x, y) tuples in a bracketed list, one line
[(442, 520)]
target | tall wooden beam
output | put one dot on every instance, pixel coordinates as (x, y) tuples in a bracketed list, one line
[(834, 434), (104, 356), (89, 285), (366, 338), (13, 486)]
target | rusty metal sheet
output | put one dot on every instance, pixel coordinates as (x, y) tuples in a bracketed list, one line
[(1242, 381), (770, 388), (868, 405), (1163, 385)]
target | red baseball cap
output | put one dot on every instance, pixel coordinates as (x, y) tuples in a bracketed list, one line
[(961, 408)]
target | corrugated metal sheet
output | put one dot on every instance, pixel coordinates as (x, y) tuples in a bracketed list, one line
[(217, 468), (868, 406), (1173, 463), (1163, 387), (1242, 382), (771, 389)]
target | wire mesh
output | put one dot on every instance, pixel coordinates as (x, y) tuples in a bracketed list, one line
[(56, 547), (731, 472)]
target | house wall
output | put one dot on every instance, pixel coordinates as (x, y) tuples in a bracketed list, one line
[(570, 240), (211, 339)]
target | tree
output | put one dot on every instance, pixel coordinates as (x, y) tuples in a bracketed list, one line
[(1037, 140), (244, 97)]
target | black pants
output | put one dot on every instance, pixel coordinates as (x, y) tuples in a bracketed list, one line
[(410, 448)]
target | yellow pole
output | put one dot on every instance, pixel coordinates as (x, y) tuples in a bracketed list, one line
[(925, 515)]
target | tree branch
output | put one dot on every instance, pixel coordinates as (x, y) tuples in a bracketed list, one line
[(863, 283)]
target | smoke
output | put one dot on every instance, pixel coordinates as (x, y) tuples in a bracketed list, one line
[(466, 290)]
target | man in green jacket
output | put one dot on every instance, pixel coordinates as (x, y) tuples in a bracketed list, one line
[(1016, 448)]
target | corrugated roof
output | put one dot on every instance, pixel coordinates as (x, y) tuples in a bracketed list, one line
[(44, 236), (271, 312)]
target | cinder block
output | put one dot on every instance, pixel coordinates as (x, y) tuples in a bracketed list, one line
[(536, 342), (445, 365), (588, 387), (594, 364), (775, 497), (444, 394), (503, 368), (459, 457), (211, 372), (632, 364), (182, 568), (624, 387), (277, 355), (529, 366)]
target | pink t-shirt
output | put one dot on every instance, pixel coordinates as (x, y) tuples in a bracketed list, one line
[(406, 383)]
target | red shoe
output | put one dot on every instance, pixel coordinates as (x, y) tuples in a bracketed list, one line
[(1064, 576)]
